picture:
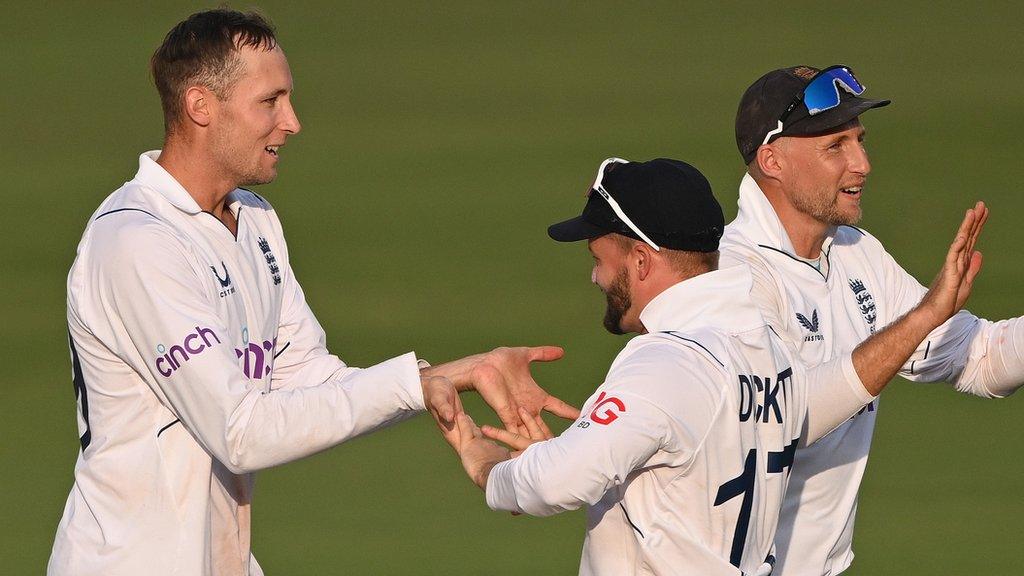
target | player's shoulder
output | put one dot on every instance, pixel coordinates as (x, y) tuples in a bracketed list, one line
[(673, 371), (699, 353), (128, 227)]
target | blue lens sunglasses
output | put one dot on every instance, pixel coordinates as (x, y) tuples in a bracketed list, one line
[(821, 94)]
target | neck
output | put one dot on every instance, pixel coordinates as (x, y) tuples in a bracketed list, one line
[(191, 167), (805, 233)]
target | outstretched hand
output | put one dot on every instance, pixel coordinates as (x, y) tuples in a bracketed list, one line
[(504, 381), (479, 454), (534, 426), (952, 286)]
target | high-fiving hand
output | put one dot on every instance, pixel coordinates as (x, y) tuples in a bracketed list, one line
[(502, 378), (479, 454), (952, 286), (504, 381)]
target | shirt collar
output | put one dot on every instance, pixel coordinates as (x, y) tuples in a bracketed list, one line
[(153, 176), (758, 221), (720, 299)]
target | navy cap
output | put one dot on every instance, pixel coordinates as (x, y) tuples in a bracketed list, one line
[(769, 96), (669, 200)]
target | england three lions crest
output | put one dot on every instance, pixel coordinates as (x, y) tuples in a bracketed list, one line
[(865, 302)]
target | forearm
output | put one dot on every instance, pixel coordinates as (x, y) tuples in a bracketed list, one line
[(880, 357), (542, 481), (266, 430)]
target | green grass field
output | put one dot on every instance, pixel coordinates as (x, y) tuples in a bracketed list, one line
[(439, 141)]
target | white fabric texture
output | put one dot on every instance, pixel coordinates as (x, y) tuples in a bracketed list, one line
[(197, 362), (826, 314), (707, 406)]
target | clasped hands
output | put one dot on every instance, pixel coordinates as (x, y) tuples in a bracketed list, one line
[(502, 378)]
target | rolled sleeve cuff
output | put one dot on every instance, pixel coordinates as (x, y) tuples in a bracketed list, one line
[(836, 393), (854, 382)]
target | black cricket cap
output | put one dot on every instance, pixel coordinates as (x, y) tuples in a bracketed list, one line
[(670, 201), (769, 96)]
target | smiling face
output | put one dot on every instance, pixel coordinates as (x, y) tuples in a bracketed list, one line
[(610, 274), (254, 119), (823, 176)]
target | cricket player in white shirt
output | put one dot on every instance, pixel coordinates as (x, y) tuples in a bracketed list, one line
[(683, 454), (196, 358), (826, 286)]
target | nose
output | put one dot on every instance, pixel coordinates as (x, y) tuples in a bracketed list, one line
[(859, 162), (290, 121)]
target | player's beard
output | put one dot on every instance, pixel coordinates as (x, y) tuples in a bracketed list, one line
[(823, 206), (619, 301), (234, 160)]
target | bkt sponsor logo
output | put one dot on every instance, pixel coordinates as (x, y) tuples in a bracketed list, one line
[(257, 359), (193, 344)]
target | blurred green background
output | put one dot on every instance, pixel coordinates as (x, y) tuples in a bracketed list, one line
[(439, 141)]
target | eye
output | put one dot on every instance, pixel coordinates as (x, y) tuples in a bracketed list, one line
[(270, 101)]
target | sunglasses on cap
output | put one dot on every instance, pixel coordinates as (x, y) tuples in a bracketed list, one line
[(600, 189), (821, 94)]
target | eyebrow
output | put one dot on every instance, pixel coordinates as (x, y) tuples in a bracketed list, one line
[(275, 93)]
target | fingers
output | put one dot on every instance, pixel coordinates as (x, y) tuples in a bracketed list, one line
[(544, 353), (468, 430), (561, 409), (490, 384), (961, 251), (982, 216), (543, 426), (515, 441), (441, 399), (963, 234), (534, 425)]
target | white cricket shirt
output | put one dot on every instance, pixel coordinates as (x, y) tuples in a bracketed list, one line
[(196, 361), (683, 454), (825, 314)]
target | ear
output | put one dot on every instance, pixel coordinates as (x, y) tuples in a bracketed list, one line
[(199, 102), (642, 260), (769, 160)]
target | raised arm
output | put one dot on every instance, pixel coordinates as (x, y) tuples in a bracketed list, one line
[(877, 359)]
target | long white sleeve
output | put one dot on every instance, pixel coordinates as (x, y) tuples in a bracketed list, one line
[(977, 356), (834, 395), (149, 298), (657, 402), (579, 466)]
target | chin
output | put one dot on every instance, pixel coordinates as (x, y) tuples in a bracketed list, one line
[(258, 179)]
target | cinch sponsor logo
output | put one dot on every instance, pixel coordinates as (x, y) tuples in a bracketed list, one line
[(194, 343)]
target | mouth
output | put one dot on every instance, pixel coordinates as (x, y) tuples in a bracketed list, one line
[(272, 150), (853, 191)]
